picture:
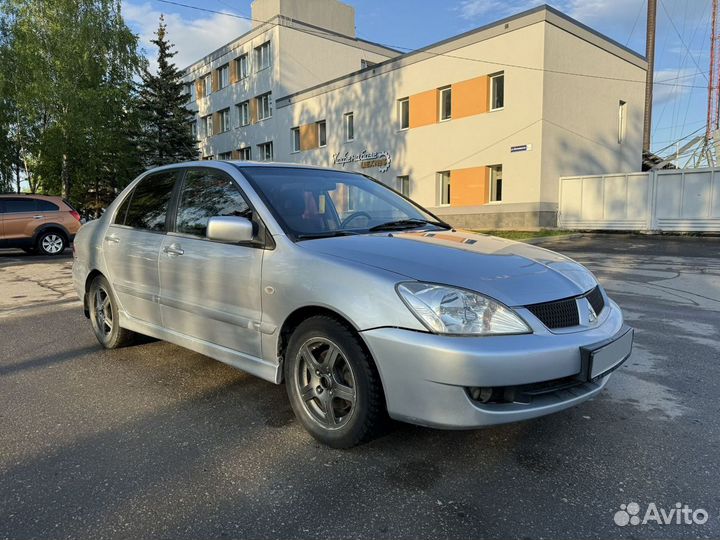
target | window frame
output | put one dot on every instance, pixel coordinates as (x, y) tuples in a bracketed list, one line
[(261, 147), (243, 149), (322, 127), (441, 92), (239, 107), (224, 76), (400, 181), (493, 77), (240, 62), (207, 127), (224, 117), (207, 84), (493, 185), (260, 99), (259, 66), (349, 124), (295, 133), (622, 121), (400, 103), (440, 175)]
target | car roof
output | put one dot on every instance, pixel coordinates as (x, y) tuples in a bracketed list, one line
[(53, 198), (244, 164)]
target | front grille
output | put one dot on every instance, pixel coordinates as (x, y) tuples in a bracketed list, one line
[(560, 314), (596, 300)]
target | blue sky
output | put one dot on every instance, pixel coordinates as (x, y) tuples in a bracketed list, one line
[(682, 43)]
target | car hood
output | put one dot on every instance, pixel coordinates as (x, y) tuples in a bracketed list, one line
[(514, 273)]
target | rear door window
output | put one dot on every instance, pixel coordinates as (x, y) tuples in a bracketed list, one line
[(205, 194), (148, 204)]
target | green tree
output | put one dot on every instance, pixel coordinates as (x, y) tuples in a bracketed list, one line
[(166, 136), (67, 76)]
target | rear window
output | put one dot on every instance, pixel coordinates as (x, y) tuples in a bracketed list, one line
[(46, 206), (149, 202)]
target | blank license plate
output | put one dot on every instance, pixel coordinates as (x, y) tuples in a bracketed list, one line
[(610, 356)]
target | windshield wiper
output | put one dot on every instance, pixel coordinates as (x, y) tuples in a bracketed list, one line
[(324, 234), (412, 223)]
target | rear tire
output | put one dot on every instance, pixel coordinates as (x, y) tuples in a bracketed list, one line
[(332, 383), (105, 316), (51, 243)]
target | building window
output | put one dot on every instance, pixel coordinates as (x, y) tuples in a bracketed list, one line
[(322, 133), (245, 154), (194, 130), (206, 125), (622, 120), (445, 103), (190, 91), (443, 187), (224, 117), (243, 113), (349, 127), (225, 156), (497, 91), (404, 113), (403, 185), (241, 66), (266, 151), (264, 108), (496, 183), (224, 75), (262, 56), (207, 85), (295, 132)]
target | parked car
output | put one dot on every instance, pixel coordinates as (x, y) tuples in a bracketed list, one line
[(37, 223), (361, 301)]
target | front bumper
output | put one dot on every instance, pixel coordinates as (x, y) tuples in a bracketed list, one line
[(426, 377)]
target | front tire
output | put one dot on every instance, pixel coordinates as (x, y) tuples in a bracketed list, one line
[(332, 383), (51, 243), (105, 316)]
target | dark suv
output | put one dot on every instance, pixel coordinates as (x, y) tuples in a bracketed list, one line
[(37, 223)]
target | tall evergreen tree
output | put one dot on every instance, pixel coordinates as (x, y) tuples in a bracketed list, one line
[(166, 136)]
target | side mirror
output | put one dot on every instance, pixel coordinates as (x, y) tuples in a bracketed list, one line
[(230, 229)]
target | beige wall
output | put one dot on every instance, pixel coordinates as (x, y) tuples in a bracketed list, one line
[(329, 14)]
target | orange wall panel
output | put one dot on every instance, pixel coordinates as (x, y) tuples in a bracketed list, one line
[(308, 136), (469, 187), (470, 97), (424, 109)]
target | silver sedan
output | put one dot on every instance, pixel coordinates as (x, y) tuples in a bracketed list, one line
[(364, 304)]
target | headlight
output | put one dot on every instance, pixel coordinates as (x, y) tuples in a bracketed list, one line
[(449, 310)]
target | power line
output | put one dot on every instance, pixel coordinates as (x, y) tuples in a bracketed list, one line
[(428, 52), (681, 38), (637, 18)]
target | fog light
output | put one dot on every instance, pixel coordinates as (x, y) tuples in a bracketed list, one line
[(482, 394)]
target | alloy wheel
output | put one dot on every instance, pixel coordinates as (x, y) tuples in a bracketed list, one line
[(103, 311), (52, 243), (325, 383)]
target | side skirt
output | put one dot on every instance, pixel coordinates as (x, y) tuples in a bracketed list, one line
[(250, 364)]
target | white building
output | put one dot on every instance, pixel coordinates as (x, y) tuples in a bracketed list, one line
[(478, 128)]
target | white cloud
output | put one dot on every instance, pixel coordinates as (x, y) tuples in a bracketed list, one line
[(474, 9), (193, 38), (675, 84)]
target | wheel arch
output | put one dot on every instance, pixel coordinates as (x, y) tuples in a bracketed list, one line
[(46, 227), (88, 280), (293, 320)]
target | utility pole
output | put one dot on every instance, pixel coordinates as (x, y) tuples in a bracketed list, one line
[(650, 55)]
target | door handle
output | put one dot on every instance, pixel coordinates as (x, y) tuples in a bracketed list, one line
[(112, 238), (173, 250), (38, 217)]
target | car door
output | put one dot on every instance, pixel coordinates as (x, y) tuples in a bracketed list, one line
[(21, 220), (210, 290), (132, 244)]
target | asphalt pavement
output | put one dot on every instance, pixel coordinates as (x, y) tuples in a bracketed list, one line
[(154, 441)]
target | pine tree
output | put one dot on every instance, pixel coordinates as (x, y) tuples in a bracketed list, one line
[(166, 136)]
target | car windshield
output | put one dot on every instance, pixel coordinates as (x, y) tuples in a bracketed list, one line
[(316, 203)]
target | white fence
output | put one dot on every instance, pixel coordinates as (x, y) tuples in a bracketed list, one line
[(669, 200)]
